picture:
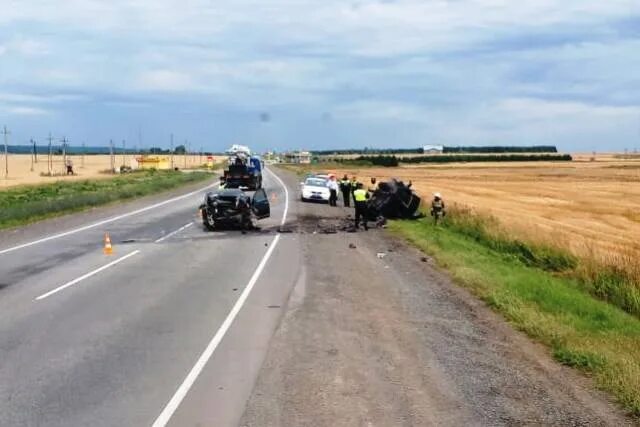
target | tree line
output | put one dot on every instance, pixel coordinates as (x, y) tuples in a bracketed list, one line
[(392, 161), (446, 150)]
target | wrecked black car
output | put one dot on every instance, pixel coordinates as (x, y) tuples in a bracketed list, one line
[(233, 208), (393, 200)]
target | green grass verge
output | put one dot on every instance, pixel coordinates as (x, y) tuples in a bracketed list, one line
[(26, 204), (535, 290)]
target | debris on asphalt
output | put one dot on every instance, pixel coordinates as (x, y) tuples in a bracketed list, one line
[(424, 259), (352, 246), (381, 255)]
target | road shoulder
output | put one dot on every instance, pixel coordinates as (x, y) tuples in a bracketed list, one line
[(386, 339)]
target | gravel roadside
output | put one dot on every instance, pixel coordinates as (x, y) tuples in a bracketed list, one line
[(388, 340)]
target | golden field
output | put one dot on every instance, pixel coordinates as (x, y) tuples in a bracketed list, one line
[(591, 207), (93, 166)]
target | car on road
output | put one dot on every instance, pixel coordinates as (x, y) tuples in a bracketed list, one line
[(233, 208), (314, 188)]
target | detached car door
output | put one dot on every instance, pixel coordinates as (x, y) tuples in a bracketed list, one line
[(260, 204)]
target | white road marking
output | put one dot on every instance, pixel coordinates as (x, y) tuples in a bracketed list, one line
[(86, 276), (173, 233), (179, 395), (286, 196), (105, 221)]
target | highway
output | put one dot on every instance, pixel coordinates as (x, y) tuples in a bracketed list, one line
[(182, 327), (171, 329)]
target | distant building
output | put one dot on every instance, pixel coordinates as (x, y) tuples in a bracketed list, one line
[(433, 149), (303, 157)]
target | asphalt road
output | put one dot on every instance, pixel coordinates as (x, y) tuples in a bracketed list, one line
[(170, 329), (182, 327)]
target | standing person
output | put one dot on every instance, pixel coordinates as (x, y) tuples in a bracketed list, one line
[(373, 186), (360, 195), (345, 188), (437, 208), (354, 187), (69, 166), (332, 184)]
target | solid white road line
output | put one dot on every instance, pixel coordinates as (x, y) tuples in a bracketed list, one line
[(191, 378), (286, 196), (105, 221), (92, 273), (173, 233), (188, 382)]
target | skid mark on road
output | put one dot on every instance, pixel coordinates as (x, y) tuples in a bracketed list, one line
[(173, 233)]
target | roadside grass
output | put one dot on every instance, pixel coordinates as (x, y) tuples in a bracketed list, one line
[(543, 291), (26, 204)]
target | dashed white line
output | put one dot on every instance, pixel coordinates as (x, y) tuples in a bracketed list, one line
[(173, 233), (105, 221), (192, 376), (86, 276)]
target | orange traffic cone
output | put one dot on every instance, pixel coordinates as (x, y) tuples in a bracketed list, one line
[(108, 249)]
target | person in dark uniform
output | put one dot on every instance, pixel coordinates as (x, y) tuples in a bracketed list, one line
[(244, 206), (345, 189), (361, 196)]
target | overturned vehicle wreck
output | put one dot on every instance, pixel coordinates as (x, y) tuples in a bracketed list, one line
[(393, 200), (232, 208)]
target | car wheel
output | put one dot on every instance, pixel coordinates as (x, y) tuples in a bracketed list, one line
[(208, 220)]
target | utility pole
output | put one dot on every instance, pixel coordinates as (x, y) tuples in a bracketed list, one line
[(6, 134), (124, 149), (50, 158), (33, 151), (113, 160), (84, 150), (64, 152), (189, 152), (186, 153), (171, 151)]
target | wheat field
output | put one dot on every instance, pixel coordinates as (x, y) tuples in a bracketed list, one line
[(590, 207), (92, 166)]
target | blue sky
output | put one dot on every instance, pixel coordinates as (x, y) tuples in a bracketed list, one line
[(323, 74)]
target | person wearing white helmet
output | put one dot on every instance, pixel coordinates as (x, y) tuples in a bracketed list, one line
[(437, 207)]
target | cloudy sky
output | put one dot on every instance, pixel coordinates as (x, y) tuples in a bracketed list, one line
[(323, 73)]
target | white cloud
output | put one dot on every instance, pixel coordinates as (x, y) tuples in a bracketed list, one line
[(26, 111), (165, 81), (382, 110), (537, 109), (452, 67)]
